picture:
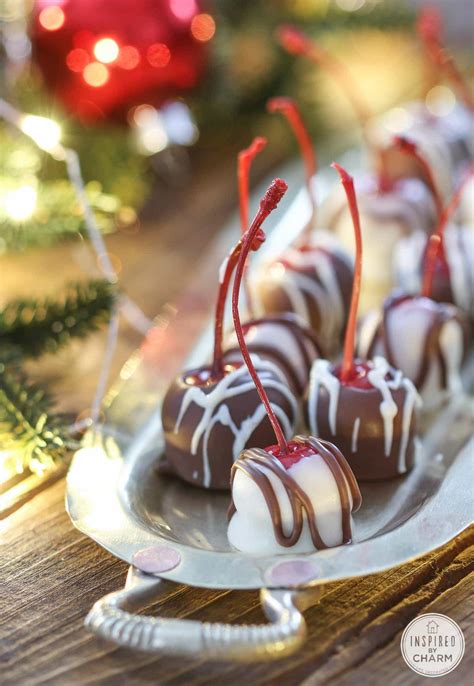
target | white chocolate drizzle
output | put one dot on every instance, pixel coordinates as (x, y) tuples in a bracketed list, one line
[(355, 435), (215, 411), (388, 407), (321, 375), (323, 289), (412, 401)]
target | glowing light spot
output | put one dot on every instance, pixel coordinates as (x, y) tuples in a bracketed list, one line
[(143, 115), (45, 132), (158, 55), (95, 74), (21, 203), (129, 57), (183, 9), (106, 50), (440, 101), (398, 120), (77, 59), (51, 18), (153, 140), (203, 27)]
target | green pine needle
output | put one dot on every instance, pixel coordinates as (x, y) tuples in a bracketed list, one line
[(34, 438), (35, 326)]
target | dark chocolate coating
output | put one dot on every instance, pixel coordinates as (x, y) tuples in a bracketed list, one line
[(305, 339), (368, 462), (190, 467), (274, 299)]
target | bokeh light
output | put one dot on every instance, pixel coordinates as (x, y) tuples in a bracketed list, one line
[(51, 18), (21, 203), (45, 132), (203, 27), (183, 9), (158, 55), (95, 74), (106, 50), (77, 59), (128, 58)]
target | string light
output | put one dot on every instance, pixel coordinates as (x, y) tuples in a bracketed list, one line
[(95, 74), (203, 27), (20, 203), (45, 132), (51, 18), (158, 55), (77, 59), (128, 58), (106, 50), (183, 9)]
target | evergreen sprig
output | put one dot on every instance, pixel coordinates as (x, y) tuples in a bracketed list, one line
[(30, 433), (37, 326)]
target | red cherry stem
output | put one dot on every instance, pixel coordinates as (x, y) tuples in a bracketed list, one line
[(217, 368), (436, 239), (269, 202), (349, 340), (244, 162), (410, 148), (289, 109), (429, 28), (296, 42)]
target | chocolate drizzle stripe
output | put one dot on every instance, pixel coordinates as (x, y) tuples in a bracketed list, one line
[(302, 335), (251, 462), (432, 347)]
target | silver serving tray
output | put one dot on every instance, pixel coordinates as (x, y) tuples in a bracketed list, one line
[(167, 530)]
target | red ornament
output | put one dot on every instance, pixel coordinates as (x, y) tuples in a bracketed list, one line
[(101, 58)]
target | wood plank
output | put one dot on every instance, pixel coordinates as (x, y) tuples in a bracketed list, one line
[(53, 575), (387, 666)]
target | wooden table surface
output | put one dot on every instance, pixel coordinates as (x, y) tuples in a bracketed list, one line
[(50, 574)]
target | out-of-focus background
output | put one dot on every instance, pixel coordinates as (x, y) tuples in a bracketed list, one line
[(156, 97)]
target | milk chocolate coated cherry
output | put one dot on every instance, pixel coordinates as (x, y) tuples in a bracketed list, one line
[(312, 279), (211, 413), (367, 408)]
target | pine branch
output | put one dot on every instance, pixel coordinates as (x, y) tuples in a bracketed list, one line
[(30, 435), (36, 326)]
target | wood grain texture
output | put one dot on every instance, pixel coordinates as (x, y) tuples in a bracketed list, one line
[(50, 574)]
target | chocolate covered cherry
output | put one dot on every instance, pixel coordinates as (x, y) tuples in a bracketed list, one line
[(212, 413), (370, 416), (443, 135), (297, 495), (427, 340), (442, 264), (311, 279), (301, 500), (366, 408), (390, 212)]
